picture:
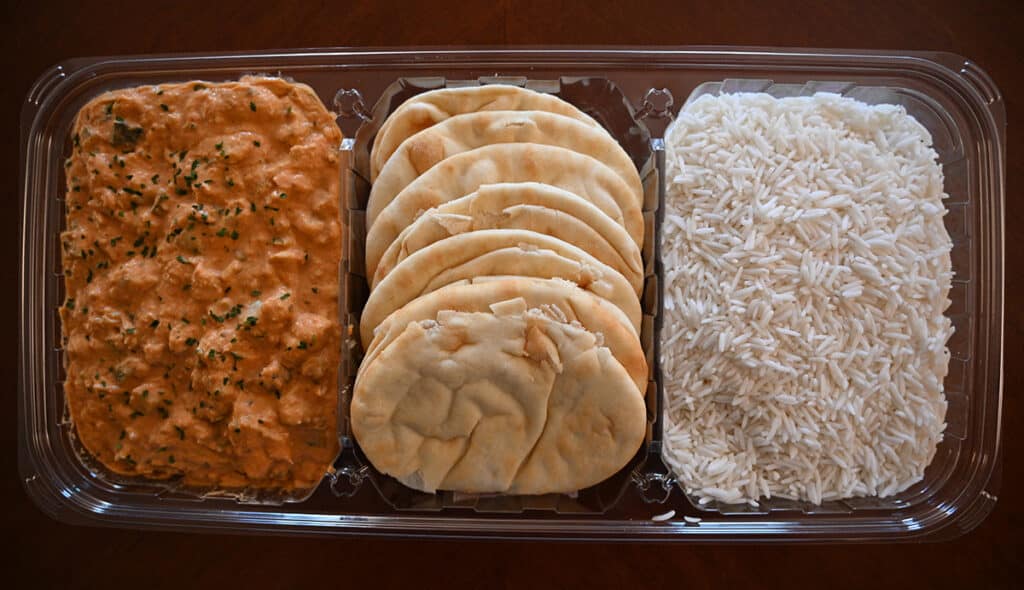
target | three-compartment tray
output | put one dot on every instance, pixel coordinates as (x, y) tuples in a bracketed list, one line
[(634, 93)]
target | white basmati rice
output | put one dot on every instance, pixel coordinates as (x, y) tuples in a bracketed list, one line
[(807, 271)]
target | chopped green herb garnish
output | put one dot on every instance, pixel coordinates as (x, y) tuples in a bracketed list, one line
[(164, 107), (182, 260), (125, 135), (252, 106), (285, 296)]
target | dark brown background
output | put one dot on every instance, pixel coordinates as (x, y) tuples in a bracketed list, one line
[(38, 34)]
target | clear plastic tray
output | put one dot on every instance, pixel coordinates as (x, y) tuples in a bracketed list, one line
[(638, 89)]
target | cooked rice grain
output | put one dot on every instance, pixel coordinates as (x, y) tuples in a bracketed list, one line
[(807, 270)]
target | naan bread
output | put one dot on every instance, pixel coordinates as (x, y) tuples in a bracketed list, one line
[(462, 133), (593, 313), (494, 252), (511, 401), (522, 205), (427, 109), (464, 173)]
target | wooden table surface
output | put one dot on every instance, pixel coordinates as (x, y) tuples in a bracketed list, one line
[(39, 34)]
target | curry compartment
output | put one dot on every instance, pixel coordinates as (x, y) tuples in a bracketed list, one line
[(634, 93)]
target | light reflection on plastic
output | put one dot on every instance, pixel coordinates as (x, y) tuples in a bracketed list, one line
[(913, 524)]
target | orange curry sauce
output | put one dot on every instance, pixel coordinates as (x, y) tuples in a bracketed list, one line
[(201, 258)]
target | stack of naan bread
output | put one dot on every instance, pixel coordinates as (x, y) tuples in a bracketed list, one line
[(502, 343)]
